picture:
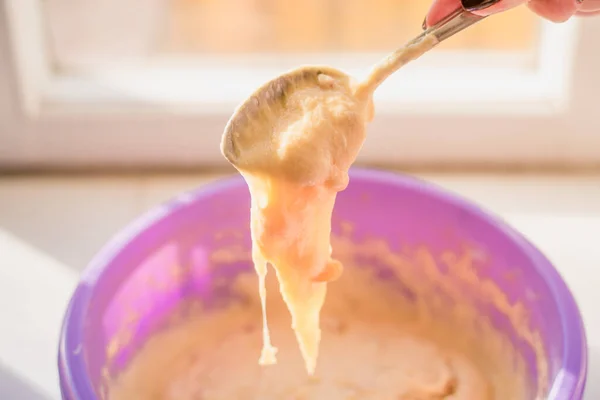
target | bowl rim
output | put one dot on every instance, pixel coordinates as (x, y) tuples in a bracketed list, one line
[(569, 383)]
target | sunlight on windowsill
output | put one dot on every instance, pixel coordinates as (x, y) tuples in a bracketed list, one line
[(34, 292)]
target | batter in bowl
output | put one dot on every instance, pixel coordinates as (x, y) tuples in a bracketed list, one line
[(376, 345)]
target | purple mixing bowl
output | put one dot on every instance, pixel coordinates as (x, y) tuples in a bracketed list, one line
[(182, 232)]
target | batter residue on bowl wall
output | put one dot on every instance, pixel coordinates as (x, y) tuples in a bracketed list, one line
[(394, 327)]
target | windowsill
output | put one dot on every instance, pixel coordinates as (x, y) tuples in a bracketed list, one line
[(51, 226)]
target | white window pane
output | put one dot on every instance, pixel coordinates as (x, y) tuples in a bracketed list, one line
[(213, 53), (112, 30)]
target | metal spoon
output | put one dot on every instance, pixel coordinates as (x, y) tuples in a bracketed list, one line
[(247, 134)]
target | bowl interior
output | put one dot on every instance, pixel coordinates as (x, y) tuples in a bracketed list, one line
[(169, 256)]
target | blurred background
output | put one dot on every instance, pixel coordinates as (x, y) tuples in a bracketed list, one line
[(77, 29), (149, 84), (109, 107)]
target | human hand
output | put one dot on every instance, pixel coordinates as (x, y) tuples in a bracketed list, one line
[(553, 10)]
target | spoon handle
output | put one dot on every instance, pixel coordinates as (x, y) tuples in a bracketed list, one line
[(455, 22)]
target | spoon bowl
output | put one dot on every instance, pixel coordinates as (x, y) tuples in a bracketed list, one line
[(252, 129)]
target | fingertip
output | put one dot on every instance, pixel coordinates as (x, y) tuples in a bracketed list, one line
[(584, 13), (439, 10), (588, 7), (553, 10)]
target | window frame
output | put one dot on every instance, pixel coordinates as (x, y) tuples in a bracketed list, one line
[(536, 112)]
